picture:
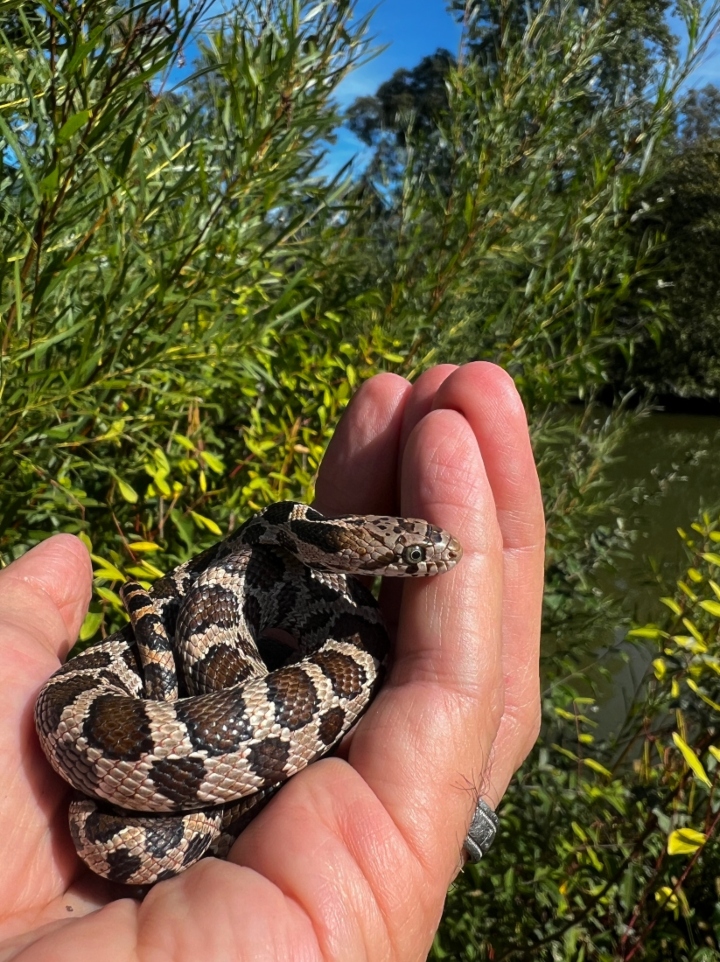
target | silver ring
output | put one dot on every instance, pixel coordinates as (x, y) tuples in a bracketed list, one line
[(481, 833)]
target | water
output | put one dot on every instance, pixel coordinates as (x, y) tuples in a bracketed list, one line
[(675, 457)]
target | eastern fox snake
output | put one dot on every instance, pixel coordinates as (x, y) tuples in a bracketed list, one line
[(174, 731)]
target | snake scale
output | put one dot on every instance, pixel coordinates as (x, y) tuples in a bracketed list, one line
[(178, 728)]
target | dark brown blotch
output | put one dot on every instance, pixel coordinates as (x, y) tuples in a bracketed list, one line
[(150, 632), (287, 603), (328, 537), (222, 667), (136, 598), (293, 694), (331, 726), (266, 567), (252, 612), (320, 590), (362, 633), (253, 532), (101, 827), (216, 723), (90, 659), (315, 623), (208, 605), (268, 759), (162, 834), (79, 771), (178, 779), (160, 681), (122, 865), (285, 540), (196, 848), (280, 512), (361, 595), (347, 677), (119, 727)]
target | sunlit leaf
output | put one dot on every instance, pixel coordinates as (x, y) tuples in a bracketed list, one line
[(647, 632), (667, 898), (597, 767), (127, 491), (91, 623), (693, 762), (685, 841), (213, 462), (672, 605), (708, 701), (184, 442), (204, 522)]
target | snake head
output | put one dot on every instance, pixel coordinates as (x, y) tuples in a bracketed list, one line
[(413, 548), (383, 545)]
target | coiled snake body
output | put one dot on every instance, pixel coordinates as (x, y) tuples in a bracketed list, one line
[(177, 716)]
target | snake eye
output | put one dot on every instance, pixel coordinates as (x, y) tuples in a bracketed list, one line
[(413, 554)]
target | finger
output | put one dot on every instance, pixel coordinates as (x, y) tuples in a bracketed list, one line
[(428, 735), (421, 399), (418, 403), (46, 593), (487, 398), (358, 472), (43, 600), (403, 805)]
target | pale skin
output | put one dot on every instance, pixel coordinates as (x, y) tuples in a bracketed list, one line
[(352, 860)]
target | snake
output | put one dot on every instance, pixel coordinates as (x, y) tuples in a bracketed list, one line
[(236, 670)]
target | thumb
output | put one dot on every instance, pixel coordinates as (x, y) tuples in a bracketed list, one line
[(46, 593)]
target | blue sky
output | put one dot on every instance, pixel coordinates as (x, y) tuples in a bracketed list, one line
[(412, 29)]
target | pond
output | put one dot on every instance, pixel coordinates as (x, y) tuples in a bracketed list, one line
[(676, 459)]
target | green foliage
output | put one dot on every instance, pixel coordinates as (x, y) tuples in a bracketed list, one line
[(589, 527), (167, 354), (640, 29), (609, 849), (514, 231), (186, 305), (687, 197)]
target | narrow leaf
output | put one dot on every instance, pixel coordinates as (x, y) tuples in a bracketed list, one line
[(202, 522), (71, 125), (691, 759), (597, 767)]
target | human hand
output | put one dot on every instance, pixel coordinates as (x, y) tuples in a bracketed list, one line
[(353, 858)]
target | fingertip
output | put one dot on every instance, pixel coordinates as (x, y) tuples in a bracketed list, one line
[(487, 381), (359, 470), (444, 479), (52, 584), (422, 397)]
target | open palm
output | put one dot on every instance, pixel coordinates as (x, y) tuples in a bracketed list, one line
[(352, 860)]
